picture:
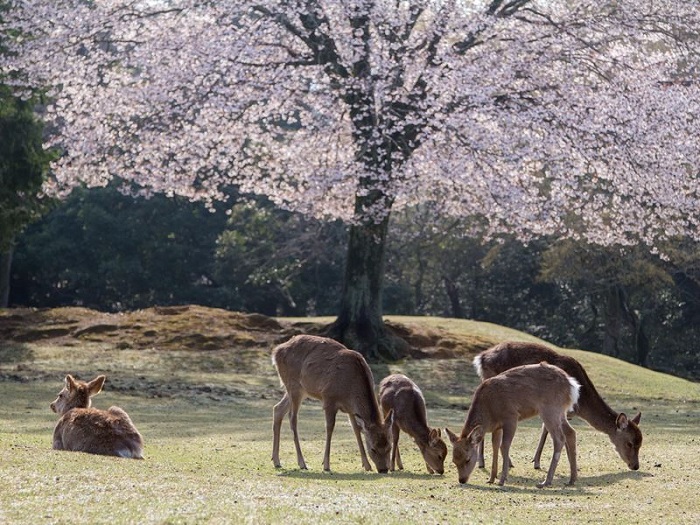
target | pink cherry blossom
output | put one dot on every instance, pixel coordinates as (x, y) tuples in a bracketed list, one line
[(550, 116)]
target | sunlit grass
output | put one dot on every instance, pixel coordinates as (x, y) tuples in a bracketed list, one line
[(206, 418)]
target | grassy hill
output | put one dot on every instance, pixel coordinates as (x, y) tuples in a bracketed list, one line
[(199, 385)]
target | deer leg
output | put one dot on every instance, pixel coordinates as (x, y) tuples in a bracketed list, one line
[(395, 454), (496, 440), (480, 455), (558, 440), (358, 436), (508, 434), (330, 425), (570, 436), (293, 416), (540, 447), (58, 436), (278, 413)]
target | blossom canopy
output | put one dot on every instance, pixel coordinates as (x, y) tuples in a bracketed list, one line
[(541, 116)]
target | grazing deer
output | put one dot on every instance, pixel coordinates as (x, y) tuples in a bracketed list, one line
[(321, 368), (84, 429), (398, 393), (503, 400), (622, 431)]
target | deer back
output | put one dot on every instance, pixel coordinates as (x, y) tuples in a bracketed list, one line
[(505, 356), (105, 432)]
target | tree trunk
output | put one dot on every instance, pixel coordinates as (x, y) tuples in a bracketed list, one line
[(613, 321), (453, 295), (690, 292), (5, 267), (642, 345), (619, 314), (359, 324)]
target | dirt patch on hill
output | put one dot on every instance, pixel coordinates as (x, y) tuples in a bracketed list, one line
[(193, 327), (161, 328)]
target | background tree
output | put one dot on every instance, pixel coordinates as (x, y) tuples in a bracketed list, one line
[(23, 168), (262, 259), (281, 263), (105, 250), (543, 116), (612, 281)]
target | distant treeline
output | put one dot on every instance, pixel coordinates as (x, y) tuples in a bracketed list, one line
[(108, 251)]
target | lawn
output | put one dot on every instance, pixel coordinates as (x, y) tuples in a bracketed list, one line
[(206, 418)]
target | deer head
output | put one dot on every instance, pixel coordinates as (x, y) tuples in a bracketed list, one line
[(465, 451), (77, 394)]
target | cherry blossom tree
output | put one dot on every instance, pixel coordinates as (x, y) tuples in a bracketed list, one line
[(578, 118)]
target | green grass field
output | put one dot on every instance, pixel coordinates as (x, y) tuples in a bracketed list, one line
[(206, 418)]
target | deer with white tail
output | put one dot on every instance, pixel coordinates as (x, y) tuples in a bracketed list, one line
[(501, 401), (85, 429), (623, 432), (323, 369), (398, 393)]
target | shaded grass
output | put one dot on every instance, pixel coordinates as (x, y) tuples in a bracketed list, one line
[(206, 420)]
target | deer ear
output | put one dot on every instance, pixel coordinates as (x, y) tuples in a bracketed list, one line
[(637, 419), (476, 436), (70, 382), (622, 421), (389, 418), (95, 386), (360, 423), (433, 436), (453, 437)]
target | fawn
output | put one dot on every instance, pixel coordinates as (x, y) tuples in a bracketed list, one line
[(398, 393), (503, 400), (85, 429)]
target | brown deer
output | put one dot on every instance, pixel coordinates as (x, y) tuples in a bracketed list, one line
[(321, 368), (503, 400), (622, 431), (84, 429), (398, 393)]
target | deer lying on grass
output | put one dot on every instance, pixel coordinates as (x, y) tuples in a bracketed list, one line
[(398, 393), (84, 429), (501, 401), (622, 431), (321, 368)]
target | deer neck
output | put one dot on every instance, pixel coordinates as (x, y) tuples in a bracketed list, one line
[(596, 411), (475, 417), (420, 432)]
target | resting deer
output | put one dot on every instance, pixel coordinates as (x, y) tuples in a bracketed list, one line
[(501, 401), (84, 429), (622, 431), (321, 368), (398, 393)]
